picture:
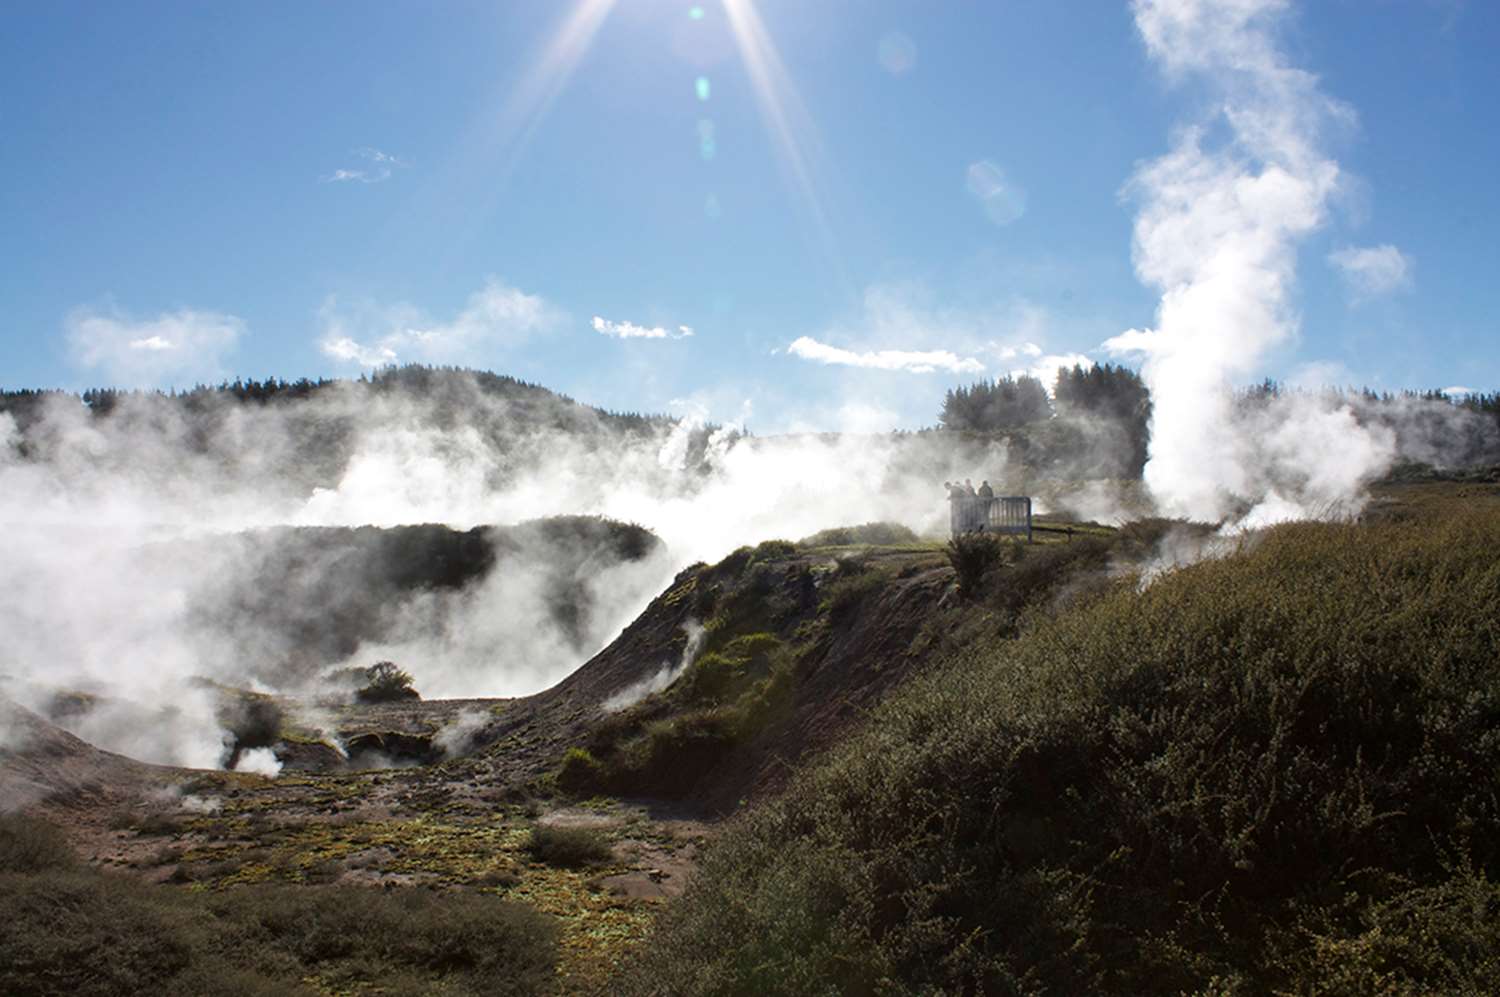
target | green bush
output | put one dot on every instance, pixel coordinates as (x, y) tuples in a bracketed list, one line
[(736, 562), (775, 550), (972, 555), (580, 772), (386, 683), (848, 592), (1170, 790), (568, 847), (1034, 573), (720, 675), (671, 755), (710, 677)]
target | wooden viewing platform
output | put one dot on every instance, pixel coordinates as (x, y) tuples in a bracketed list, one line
[(1004, 514)]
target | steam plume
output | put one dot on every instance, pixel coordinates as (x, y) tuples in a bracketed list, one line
[(1217, 234)]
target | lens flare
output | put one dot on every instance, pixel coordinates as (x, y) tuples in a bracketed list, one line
[(1003, 201), (896, 53), (701, 87)]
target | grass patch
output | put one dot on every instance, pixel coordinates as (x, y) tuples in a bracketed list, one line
[(876, 534)]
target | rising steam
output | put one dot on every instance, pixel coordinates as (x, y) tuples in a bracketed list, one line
[(134, 583), (1217, 234)]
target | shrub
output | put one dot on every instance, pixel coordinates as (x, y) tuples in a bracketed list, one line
[(710, 677), (1036, 572), (774, 550), (848, 593), (386, 683), (1442, 938), (568, 847), (735, 562), (30, 845), (358, 937), (972, 554), (1141, 539), (580, 772), (83, 932), (723, 698), (720, 675)]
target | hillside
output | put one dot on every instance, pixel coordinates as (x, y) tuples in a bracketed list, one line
[(1274, 772)]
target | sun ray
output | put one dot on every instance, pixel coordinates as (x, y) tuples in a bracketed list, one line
[(476, 173), (785, 116), (539, 88)]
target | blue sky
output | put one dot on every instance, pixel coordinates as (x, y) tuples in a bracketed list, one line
[(798, 215)]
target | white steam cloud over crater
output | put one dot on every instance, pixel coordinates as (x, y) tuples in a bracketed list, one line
[(128, 578)]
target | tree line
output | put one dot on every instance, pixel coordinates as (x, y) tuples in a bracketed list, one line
[(1098, 418)]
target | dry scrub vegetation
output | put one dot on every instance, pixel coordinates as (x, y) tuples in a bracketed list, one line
[(72, 930), (1276, 772)]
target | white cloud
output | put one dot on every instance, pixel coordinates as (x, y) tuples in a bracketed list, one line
[(912, 361), (1044, 368), (629, 330), (1459, 389), (173, 348), (1373, 270), (351, 351), (382, 165), (495, 318), (910, 332), (1024, 350), (1037, 362)]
